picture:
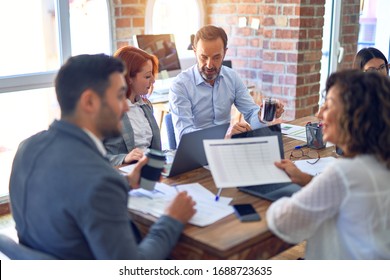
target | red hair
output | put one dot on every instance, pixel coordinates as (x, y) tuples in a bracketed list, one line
[(134, 58)]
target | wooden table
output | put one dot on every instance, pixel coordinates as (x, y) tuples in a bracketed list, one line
[(228, 238)]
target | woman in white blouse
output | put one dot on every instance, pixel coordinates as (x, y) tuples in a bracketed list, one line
[(139, 127), (344, 213)]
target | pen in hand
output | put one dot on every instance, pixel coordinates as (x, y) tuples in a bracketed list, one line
[(218, 194), (177, 190)]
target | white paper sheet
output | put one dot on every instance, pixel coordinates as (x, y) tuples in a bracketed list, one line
[(294, 131), (127, 169), (154, 203), (244, 161), (314, 169)]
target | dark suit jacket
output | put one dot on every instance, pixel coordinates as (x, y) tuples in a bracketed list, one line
[(68, 201), (117, 148)]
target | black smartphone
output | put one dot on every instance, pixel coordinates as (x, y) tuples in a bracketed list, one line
[(246, 213)]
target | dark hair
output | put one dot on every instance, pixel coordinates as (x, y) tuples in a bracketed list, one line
[(84, 72), (365, 121), (210, 33), (365, 55), (134, 58)]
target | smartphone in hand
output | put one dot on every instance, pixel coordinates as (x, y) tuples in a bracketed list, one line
[(246, 213)]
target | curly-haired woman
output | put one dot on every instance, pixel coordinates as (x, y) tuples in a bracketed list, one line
[(344, 213)]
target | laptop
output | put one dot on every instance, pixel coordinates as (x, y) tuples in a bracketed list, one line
[(190, 152), (270, 192)]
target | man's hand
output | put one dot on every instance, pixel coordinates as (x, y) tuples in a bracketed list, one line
[(134, 177), (279, 109), (238, 127), (182, 208)]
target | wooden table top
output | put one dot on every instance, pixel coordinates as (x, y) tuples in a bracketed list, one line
[(228, 238)]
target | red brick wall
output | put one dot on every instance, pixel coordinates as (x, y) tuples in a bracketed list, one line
[(281, 58), (129, 20)]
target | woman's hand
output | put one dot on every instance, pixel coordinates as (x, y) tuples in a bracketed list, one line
[(135, 155), (296, 175)]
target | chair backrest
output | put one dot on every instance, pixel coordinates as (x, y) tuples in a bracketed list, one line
[(17, 251), (227, 63), (170, 131)]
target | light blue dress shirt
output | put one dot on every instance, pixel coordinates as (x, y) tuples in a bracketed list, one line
[(195, 104)]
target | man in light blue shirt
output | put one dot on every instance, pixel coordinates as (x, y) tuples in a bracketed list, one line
[(203, 95)]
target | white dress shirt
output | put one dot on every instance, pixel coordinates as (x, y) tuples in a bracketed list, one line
[(195, 104), (343, 213)]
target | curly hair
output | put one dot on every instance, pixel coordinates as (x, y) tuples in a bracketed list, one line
[(365, 120)]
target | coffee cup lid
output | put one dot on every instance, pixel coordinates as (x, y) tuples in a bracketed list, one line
[(157, 154)]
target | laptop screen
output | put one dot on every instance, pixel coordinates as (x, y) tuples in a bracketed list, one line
[(190, 152)]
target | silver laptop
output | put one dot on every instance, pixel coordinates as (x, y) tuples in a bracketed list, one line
[(270, 192), (190, 152)]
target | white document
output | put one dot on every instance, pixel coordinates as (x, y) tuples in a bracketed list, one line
[(244, 161), (294, 131), (154, 203), (127, 169), (314, 169)]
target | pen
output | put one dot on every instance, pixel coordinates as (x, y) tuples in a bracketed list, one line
[(299, 147), (218, 194), (177, 190)]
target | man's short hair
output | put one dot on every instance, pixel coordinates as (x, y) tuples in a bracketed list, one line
[(84, 72), (210, 33)]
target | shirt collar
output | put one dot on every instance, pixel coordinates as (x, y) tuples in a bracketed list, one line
[(198, 78), (97, 141), (138, 102)]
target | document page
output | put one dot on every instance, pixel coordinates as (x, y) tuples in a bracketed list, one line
[(244, 161), (294, 131), (314, 169), (208, 211)]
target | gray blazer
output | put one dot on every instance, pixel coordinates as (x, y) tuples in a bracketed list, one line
[(69, 202), (117, 148)]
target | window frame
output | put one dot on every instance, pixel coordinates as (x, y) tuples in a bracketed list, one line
[(41, 80), (45, 79)]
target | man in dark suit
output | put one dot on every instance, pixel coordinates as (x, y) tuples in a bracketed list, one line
[(66, 199)]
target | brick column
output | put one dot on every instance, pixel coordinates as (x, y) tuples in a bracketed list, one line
[(283, 57), (128, 20)]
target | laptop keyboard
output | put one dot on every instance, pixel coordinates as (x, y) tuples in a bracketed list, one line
[(263, 189)]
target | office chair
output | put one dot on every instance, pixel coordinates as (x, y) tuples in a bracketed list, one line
[(17, 251), (170, 131), (227, 63)]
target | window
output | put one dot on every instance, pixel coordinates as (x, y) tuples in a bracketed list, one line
[(166, 14), (37, 37), (374, 22)]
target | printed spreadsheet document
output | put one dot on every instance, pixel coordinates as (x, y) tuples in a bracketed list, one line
[(244, 161)]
